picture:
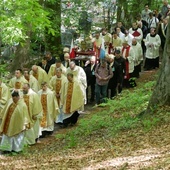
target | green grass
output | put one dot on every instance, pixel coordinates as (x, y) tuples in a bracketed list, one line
[(118, 115)]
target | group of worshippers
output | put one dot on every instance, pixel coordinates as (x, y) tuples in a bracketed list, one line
[(33, 101), (55, 90), (127, 52), (156, 22), (130, 49)]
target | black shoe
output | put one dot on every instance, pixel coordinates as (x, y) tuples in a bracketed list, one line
[(49, 133), (5, 152), (46, 133), (58, 123)]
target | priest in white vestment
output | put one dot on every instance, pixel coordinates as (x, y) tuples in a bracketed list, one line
[(15, 122), (33, 103), (72, 99), (50, 110)]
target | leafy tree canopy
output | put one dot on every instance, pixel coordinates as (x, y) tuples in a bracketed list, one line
[(18, 17)]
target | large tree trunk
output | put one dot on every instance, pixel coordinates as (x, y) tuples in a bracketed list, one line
[(161, 94), (21, 56)]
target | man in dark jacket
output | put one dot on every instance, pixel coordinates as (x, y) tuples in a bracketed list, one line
[(122, 66), (44, 65), (50, 59), (89, 69), (115, 80), (162, 30)]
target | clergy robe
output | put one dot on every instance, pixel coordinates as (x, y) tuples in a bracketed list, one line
[(121, 36), (152, 44), (137, 33), (17, 83), (33, 103), (4, 96), (52, 71), (116, 42), (80, 75), (56, 84), (41, 76), (33, 82), (72, 98), (138, 59), (50, 110), (14, 123), (129, 56)]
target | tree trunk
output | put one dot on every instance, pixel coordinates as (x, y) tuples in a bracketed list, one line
[(53, 42), (108, 20), (161, 93), (119, 10), (21, 56)]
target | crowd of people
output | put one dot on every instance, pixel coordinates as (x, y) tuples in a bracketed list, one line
[(33, 101), (55, 90)]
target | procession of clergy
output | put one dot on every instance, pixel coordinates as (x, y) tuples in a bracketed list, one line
[(56, 90), (32, 102)]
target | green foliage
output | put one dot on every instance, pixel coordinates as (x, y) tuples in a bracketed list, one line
[(124, 123), (115, 116), (3, 71), (60, 136), (149, 85), (72, 141), (19, 18), (148, 123)]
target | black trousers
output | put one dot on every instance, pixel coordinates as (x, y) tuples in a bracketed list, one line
[(120, 84), (137, 70), (151, 63), (112, 88), (92, 89), (72, 119)]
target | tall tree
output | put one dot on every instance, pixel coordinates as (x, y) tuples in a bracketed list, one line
[(20, 20), (53, 39), (161, 93)]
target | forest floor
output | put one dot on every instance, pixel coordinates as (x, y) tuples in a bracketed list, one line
[(140, 150)]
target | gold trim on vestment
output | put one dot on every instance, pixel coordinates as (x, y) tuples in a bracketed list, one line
[(35, 75), (28, 79), (8, 117), (26, 100), (57, 90), (18, 85), (54, 73), (0, 93), (69, 96), (44, 105)]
